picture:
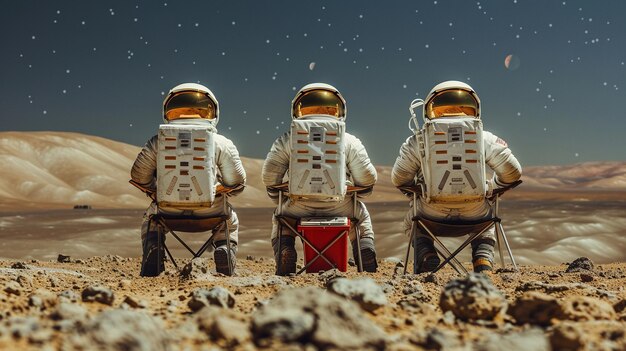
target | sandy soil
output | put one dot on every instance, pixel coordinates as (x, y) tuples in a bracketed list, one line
[(166, 298)]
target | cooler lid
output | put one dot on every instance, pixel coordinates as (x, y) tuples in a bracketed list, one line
[(324, 221)]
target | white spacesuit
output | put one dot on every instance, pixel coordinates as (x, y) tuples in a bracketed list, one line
[(321, 101), (190, 104), (453, 99)]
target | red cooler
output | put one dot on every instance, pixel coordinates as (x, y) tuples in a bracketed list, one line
[(320, 232)]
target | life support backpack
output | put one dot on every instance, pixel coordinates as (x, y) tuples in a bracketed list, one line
[(453, 160), (186, 168), (317, 167)]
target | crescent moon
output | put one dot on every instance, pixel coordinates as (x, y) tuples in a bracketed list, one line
[(507, 61)]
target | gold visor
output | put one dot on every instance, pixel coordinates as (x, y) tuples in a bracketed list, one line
[(452, 103), (189, 104), (319, 102)]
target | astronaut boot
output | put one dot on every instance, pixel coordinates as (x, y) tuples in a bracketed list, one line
[(287, 257), (153, 260), (368, 254), (425, 257), (221, 257), (482, 255)]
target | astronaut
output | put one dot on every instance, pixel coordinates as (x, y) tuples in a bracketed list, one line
[(315, 100), (453, 99), (190, 104)]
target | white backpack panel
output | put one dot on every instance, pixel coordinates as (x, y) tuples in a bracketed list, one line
[(185, 166), (317, 167), (453, 160)]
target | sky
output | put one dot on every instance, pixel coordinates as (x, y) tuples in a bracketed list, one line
[(103, 67)]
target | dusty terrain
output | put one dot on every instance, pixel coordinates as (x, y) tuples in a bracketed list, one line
[(540, 232), (101, 303)]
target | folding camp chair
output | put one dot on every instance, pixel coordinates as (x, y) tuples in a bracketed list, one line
[(194, 224), (477, 228), (283, 221)]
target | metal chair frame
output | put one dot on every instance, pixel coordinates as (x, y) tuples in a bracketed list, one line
[(282, 221), (162, 220), (442, 250)]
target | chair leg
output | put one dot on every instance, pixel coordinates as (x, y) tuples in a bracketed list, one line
[(279, 227), (168, 230), (204, 246), (456, 252), (498, 235), (508, 248), (228, 251), (408, 249), (458, 267), (171, 257), (358, 248)]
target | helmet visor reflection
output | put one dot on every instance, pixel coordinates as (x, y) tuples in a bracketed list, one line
[(452, 103), (319, 102), (189, 104)]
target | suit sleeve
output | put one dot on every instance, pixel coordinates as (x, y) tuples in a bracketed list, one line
[(229, 163), (499, 157), (359, 165), (407, 164), (276, 164), (144, 168)]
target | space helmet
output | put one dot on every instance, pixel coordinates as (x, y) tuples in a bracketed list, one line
[(190, 101), (318, 99), (452, 99)]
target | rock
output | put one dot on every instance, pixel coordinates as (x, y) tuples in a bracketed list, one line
[(620, 306), (97, 293), (24, 281), (69, 296), (69, 312), (431, 278), (328, 276), (63, 259), (309, 315), (388, 288), (227, 326), (412, 287), (13, 288), (441, 339), (135, 303), (583, 308), (472, 298), (535, 308), (531, 339), (581, 264), (19, 265), (124, 284), (546, 287), (195, 269), (217, 296), (592, 335), (121, 330), (586, 277), (250, 258), (394, 260), (351, 262), (21, 327), (54, 281), (369, 295), (42, 299)]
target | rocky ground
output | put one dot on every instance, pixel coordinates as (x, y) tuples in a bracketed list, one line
[(100, 303)]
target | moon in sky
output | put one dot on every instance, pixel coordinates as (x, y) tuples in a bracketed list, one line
[(511, 62), (312, 66)]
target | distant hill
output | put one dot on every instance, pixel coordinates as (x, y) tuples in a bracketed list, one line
[(60, 170)]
